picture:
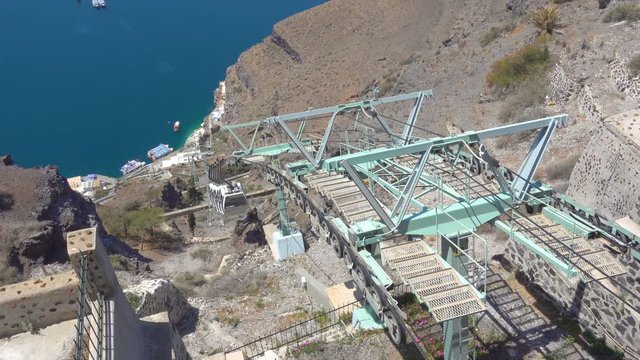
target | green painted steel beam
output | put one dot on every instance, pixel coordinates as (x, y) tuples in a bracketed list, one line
[(379, 273), (569, 223), (469, 137), (462, 216), (385, 184), (567, 269), (314, 113), (241, 126)]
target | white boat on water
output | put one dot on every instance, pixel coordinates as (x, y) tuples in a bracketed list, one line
[(95, 3), (130, 166), (102, 3), (176, 126)]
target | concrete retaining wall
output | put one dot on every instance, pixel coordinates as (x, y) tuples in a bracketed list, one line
[(38, 303), (124, 337), (605, 178)]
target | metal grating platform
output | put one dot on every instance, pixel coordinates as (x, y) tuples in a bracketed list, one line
[(419, 266), (451, 304), (432, 280), (556, 238), (345, 196), (411, 250), (454, 177)]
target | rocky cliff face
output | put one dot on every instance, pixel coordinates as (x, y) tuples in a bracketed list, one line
[(39, 208)]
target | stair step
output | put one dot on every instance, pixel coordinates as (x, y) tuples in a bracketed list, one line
[(424, 265), (435, 282), (410, 250), (454, 303)]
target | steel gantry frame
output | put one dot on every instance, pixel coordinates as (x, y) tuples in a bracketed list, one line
[(409, 168), (368, 107)]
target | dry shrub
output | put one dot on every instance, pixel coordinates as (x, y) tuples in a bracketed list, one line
[(634, 66), (623, 12), (526, 103), (9, 275), (187, 282), (546, 18), (242, 283), (495, 32), (562, 168)]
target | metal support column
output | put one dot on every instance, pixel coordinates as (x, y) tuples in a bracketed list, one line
[(456, 331), (411, 120), (521, 183), (296, 142)]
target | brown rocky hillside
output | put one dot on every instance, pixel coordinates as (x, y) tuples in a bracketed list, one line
[(38, 208), (341, 50)]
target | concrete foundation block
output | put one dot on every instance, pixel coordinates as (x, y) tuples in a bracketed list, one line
[(285, 246)]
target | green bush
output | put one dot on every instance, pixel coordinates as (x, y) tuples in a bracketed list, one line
[(134, 300), (634, 66), (622, 12), (132, 205), (119, 262), (531, 60), (139, 224), (227, 317)]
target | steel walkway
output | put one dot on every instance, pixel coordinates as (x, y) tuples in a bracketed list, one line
[(433, 281)]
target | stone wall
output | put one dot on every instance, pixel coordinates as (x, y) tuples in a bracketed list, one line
[(595, 308), (38, 303), (560, 86), (620, 76), (588, 106), (605, 178)]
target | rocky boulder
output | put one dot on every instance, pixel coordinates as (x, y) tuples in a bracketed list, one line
[(40, 210)]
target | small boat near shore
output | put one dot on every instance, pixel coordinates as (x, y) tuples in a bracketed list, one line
[(176, 126), (130, 166), (98, 4), (159, 151)]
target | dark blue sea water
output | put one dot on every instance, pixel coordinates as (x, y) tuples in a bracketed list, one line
[(88, 90)]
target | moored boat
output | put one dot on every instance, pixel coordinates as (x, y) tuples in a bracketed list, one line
[(176, 126), (159, 151), (130, 166)]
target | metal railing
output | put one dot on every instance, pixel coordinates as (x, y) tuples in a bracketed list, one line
[(298, 333), (90, 336)]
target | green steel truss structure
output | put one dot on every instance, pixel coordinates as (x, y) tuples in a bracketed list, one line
[(442, 187)]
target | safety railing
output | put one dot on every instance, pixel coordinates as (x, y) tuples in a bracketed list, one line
[(90, 336), (297, 334)]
